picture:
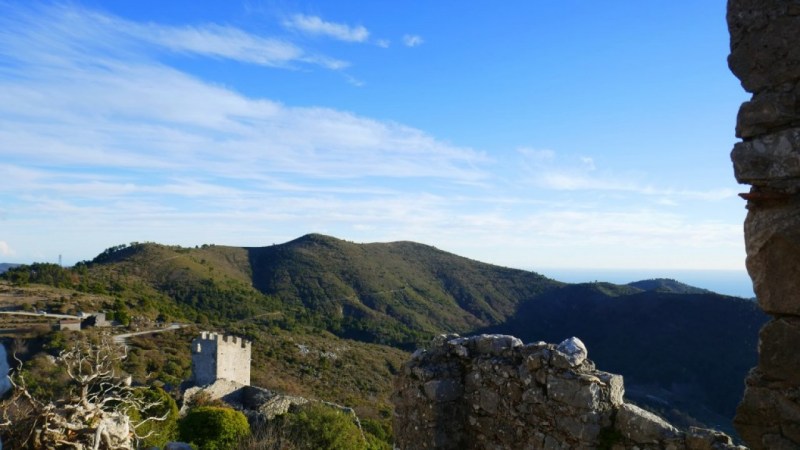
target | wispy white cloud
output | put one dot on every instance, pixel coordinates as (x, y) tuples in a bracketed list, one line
[(536, 156), (314, 25), (128, 110), (5, 249), (383, 43), (76, 31), (94, 124), (412, 40), (544, 169), (103, 142)]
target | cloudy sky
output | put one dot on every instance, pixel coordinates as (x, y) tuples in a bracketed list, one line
[(532, 134)]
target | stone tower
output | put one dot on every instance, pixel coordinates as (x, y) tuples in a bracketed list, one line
[(218, 357)]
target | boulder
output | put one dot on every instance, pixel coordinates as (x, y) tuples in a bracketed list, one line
[(643, 427), (570, 353)]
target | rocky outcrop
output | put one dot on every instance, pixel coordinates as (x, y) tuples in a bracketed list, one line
[(256, 402), (765, 56), (493, 392)]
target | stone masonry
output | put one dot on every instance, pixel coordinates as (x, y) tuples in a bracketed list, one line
[(493, 392), (218, 357), (765, 56)]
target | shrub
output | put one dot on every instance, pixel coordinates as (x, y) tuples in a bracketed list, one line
[(213, 428), (156, 432), (316, 426)]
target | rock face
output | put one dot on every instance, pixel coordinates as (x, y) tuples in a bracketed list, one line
[(765, 56), (493, 392)]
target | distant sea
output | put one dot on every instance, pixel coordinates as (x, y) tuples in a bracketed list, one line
[(728, 282)]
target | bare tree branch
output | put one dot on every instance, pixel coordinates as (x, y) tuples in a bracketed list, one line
[(94, 416)]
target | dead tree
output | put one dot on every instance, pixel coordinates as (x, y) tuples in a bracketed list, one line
[(93, 415)]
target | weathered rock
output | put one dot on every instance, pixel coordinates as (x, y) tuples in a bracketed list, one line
[(764, 51), (643, 427), (508, 395), (765, 56), (772, 237), (772, 159), (774, 361), (574, 392), (767, 112), (443, 390), (570, 353), (495, 344), (702, 439)]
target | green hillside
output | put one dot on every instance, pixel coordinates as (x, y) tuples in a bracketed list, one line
[(668, 285), (682, 348), (399, 293)]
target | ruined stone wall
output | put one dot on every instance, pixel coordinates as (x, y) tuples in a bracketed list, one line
[(493, 392), (765, 56), (217, 357)]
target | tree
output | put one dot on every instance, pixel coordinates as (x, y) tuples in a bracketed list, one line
[(95, 412)]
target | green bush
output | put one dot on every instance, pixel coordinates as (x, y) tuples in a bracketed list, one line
[(156, 433), (213, 428), (316, 426)]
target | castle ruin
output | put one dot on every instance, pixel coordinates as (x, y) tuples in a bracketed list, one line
[(493, 392), (220, 357)]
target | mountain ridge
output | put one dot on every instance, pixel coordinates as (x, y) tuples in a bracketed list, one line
[(6, 266), (656, 332)]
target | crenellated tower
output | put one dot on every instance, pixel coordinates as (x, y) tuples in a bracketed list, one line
[(220, 357)]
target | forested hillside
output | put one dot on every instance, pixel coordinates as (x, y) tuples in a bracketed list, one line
[(679, 347)]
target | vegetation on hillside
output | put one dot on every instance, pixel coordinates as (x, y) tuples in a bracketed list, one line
[(316, 307), (399, 294)]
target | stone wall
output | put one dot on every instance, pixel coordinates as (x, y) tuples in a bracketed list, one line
[(493, 392), (217, 357), (765, 56)]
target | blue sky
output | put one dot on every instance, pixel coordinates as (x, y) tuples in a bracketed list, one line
[(532, 134)]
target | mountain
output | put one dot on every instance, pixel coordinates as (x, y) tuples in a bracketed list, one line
[(5, 266), (399, 293), (392, 292), (668, 285), (679, 347)]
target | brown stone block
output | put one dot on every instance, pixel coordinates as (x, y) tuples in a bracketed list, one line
[(757, 416), (767, 112), (764, 51), (778, 358), (768, 159), (773, 258)]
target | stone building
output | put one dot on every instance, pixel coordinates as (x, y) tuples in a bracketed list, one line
[(221, 370), (69, 324), (219, 357)]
